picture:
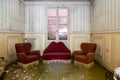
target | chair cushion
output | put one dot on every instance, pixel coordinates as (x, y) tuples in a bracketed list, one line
[(57, 55), (30, 58), (81, 58)]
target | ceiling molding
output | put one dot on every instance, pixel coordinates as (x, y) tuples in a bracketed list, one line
[(59, 0), (55, 3)]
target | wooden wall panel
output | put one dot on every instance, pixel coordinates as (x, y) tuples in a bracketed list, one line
[(2, 46), (7, 43), (11, 41), (108, 50), (117, 49), (77, 39), (99, 41), (40, 42)]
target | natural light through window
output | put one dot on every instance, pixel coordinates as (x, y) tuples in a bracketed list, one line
[(57, 23)]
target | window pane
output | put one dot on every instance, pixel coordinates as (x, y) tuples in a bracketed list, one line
[(52, 26), (57, 22), (62, 12), (51, 12), (51, 33), (62, 36), (62, 20), (62, 29), (65, 26), (51, 20)]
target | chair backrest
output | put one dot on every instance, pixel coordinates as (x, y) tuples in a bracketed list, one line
[(23, 47), (56, 47), (88, 47)]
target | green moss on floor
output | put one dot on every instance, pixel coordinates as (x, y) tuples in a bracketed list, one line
[(56, 71)]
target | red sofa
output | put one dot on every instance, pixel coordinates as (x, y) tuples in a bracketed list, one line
[(56, 52)]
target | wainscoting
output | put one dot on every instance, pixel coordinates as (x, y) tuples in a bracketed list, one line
[(7, 42), (108, 49), (77, 39), (39, 42), (107, 53)]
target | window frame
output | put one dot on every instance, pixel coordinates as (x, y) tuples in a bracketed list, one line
[(57, 23)]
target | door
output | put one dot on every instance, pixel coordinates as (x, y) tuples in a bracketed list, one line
[(57, 25)]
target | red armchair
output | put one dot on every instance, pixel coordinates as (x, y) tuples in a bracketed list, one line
[(25, 55), (86, 56)]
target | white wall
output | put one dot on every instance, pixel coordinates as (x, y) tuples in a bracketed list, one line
[(35, 21), (105, 16), (79, 21), (105, 27), (12, 15), (11, 27)]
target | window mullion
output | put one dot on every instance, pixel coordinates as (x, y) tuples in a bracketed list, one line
[(57, 24)]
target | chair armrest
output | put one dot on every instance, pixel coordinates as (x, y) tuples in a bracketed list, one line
[(90, 57), (77, 53), (36, 52), (21, 56)]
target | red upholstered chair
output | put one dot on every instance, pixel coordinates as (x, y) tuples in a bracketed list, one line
[(25, 56), (56, 52), (86, 56)]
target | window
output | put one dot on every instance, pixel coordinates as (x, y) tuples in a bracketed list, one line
[(57, 23)]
